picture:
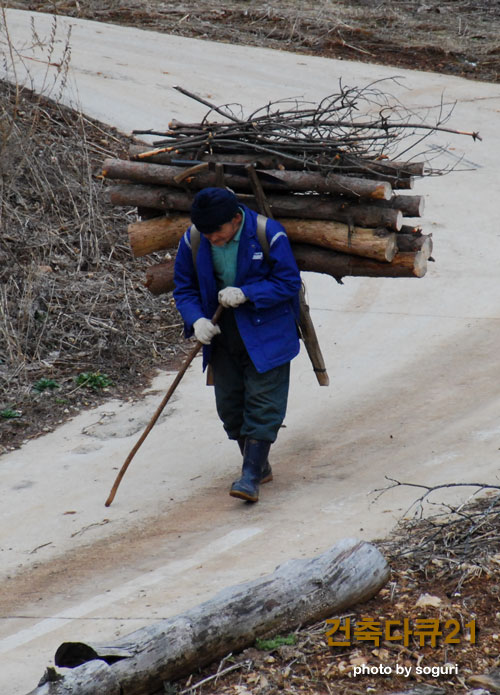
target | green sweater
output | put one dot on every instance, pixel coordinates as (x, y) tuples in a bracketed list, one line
[(225, 257)]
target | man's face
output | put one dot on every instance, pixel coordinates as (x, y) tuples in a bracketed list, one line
[(225, 232)]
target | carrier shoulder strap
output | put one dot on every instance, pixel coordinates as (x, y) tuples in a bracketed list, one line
[(195, 243), (261, 235)]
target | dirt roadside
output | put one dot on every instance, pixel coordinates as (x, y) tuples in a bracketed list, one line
[(452, 36), (64, 250)]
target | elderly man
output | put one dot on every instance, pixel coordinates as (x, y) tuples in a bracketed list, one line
[(243, 261)]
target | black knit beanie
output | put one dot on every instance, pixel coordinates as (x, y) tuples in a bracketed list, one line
[(212, 207)]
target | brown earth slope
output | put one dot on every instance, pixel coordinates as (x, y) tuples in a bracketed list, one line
[(453, 36)]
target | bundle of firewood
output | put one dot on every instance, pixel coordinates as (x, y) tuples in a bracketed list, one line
[(323, 171)]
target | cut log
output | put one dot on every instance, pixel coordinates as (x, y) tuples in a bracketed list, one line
[(370, 168), (410, 229), (489, 681), (160, 278), (299, 592), (262, 162), (143, 196), (413, 262), (149, 213), (312, 207), (97, 679), (158, 234), (338, 265), (397, 182), (165, 233), (378, 244), (410, 205), (415, 242), (273, 179)]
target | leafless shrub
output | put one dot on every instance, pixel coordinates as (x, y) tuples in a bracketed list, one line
[(71, 296), (457, 541)]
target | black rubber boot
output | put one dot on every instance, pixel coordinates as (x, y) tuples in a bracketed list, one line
[(254, 458), (267, 471)]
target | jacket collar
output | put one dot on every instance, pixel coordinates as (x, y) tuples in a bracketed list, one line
[(247, 247)]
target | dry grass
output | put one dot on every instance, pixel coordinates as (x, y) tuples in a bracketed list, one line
[(71, 296)]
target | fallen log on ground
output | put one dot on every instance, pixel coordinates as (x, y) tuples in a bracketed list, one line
[(165, 233), (298, 592), (313, 207), (274, 179), (97, 679)]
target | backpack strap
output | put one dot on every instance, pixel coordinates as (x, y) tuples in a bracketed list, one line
[(261, 235), (194, 238), (195, 244)]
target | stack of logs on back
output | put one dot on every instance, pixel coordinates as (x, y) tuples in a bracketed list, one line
[(349, 224)]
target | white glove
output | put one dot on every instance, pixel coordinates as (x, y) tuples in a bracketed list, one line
[(231, 297), (205, 330)]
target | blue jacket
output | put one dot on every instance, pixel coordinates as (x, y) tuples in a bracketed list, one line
[(267, 321)]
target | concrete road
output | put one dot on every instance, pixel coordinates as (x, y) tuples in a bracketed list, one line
[(414, 391)]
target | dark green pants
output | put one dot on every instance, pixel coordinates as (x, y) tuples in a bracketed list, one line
[(249, 404)]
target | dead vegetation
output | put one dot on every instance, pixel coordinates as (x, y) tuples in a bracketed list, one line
[(452, 542), (445, 576), (72, 299), (457, 37)]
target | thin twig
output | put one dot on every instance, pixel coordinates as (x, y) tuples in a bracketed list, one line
[(215, 676)]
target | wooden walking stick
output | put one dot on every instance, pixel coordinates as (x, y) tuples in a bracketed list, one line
[(175, 383)]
